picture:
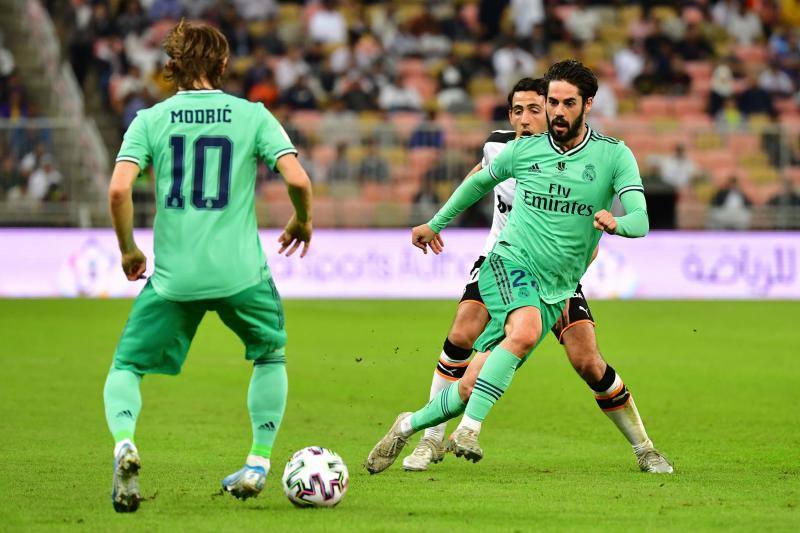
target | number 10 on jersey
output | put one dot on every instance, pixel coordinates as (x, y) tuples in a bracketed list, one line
[(175, 198)]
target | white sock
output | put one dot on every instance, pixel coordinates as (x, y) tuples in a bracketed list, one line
[(405, 428), (257, 460), (438, 384), (469, 423), (118, 446), (639, 449)]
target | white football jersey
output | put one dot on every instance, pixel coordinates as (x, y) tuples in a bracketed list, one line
[(503, 192)]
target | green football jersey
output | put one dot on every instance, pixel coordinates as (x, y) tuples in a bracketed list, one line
[(204, 146), (550, 230)]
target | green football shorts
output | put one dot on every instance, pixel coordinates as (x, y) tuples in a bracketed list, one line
[(506, 286), (159, 332)]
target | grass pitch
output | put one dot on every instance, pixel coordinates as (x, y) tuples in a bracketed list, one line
[(716, 382)]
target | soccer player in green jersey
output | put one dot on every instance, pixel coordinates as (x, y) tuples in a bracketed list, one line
[(575, 328), (203, 145), (566, 180)]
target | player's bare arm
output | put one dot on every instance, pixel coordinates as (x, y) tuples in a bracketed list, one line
[(120, 201), (298, 229)]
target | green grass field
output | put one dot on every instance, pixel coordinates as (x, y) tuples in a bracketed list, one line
[(718, 384)]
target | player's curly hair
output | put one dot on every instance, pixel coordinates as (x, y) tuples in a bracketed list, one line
[(528, 84), (195, 49), (576, 73)]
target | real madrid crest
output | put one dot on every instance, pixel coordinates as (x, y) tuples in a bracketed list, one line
[(589, 173), (561, 166)]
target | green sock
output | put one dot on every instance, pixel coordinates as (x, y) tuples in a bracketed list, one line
[(492, 382), (444, 406), (266, 401), (123, 402)]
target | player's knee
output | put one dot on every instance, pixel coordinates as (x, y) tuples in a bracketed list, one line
[(462, 336), (522, 340)]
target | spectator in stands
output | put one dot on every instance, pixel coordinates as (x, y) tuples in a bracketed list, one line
[(166, 9), (694, 46), (288, 68), (729, 118), (676, 81), (648, 81), (428, 133), (339, 125), (6, 60), (327, 25), (741, 23), (256, 9), (775, 81), (629, 62), (11, 180), (754, 100), (453, 97), (264, 90), (526, 15), (677, 170), (300, 95), (14, 108), (722, 86), (32, 160), (786, 206), (45, 181), (132, 19), (511, 62), (730, 207), (373, 167), (582, 23), (604, 103), (340, 171), (788, 195), (394, 97), (356, 92), (661, 196)]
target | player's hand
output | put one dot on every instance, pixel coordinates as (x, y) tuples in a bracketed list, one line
[(423, 235), (294, 234), (134, 264), (605, 221)]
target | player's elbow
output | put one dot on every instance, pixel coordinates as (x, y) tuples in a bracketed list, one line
[(118, 193)]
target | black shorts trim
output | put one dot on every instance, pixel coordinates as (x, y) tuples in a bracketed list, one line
[(576, 310), (471, 291)]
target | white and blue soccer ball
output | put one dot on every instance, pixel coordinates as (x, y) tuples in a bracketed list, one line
[(315, 477)]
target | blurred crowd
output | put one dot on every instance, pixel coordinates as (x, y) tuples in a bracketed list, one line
[(363, 85), (27, 167)]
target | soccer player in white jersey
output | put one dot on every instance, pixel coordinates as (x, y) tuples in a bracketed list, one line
[(574, 329)]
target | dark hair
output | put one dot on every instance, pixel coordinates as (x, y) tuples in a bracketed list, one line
[(195, 49), (528, 84), (576, 73)]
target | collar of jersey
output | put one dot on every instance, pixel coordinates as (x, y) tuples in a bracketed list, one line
[(574, 149), (200, 91)]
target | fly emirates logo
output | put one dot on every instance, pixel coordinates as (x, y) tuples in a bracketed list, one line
[(557, 201)]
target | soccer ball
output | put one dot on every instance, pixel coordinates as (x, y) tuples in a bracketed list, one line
[(315, 477)]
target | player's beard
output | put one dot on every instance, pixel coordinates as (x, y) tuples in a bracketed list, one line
[(572, 129)]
